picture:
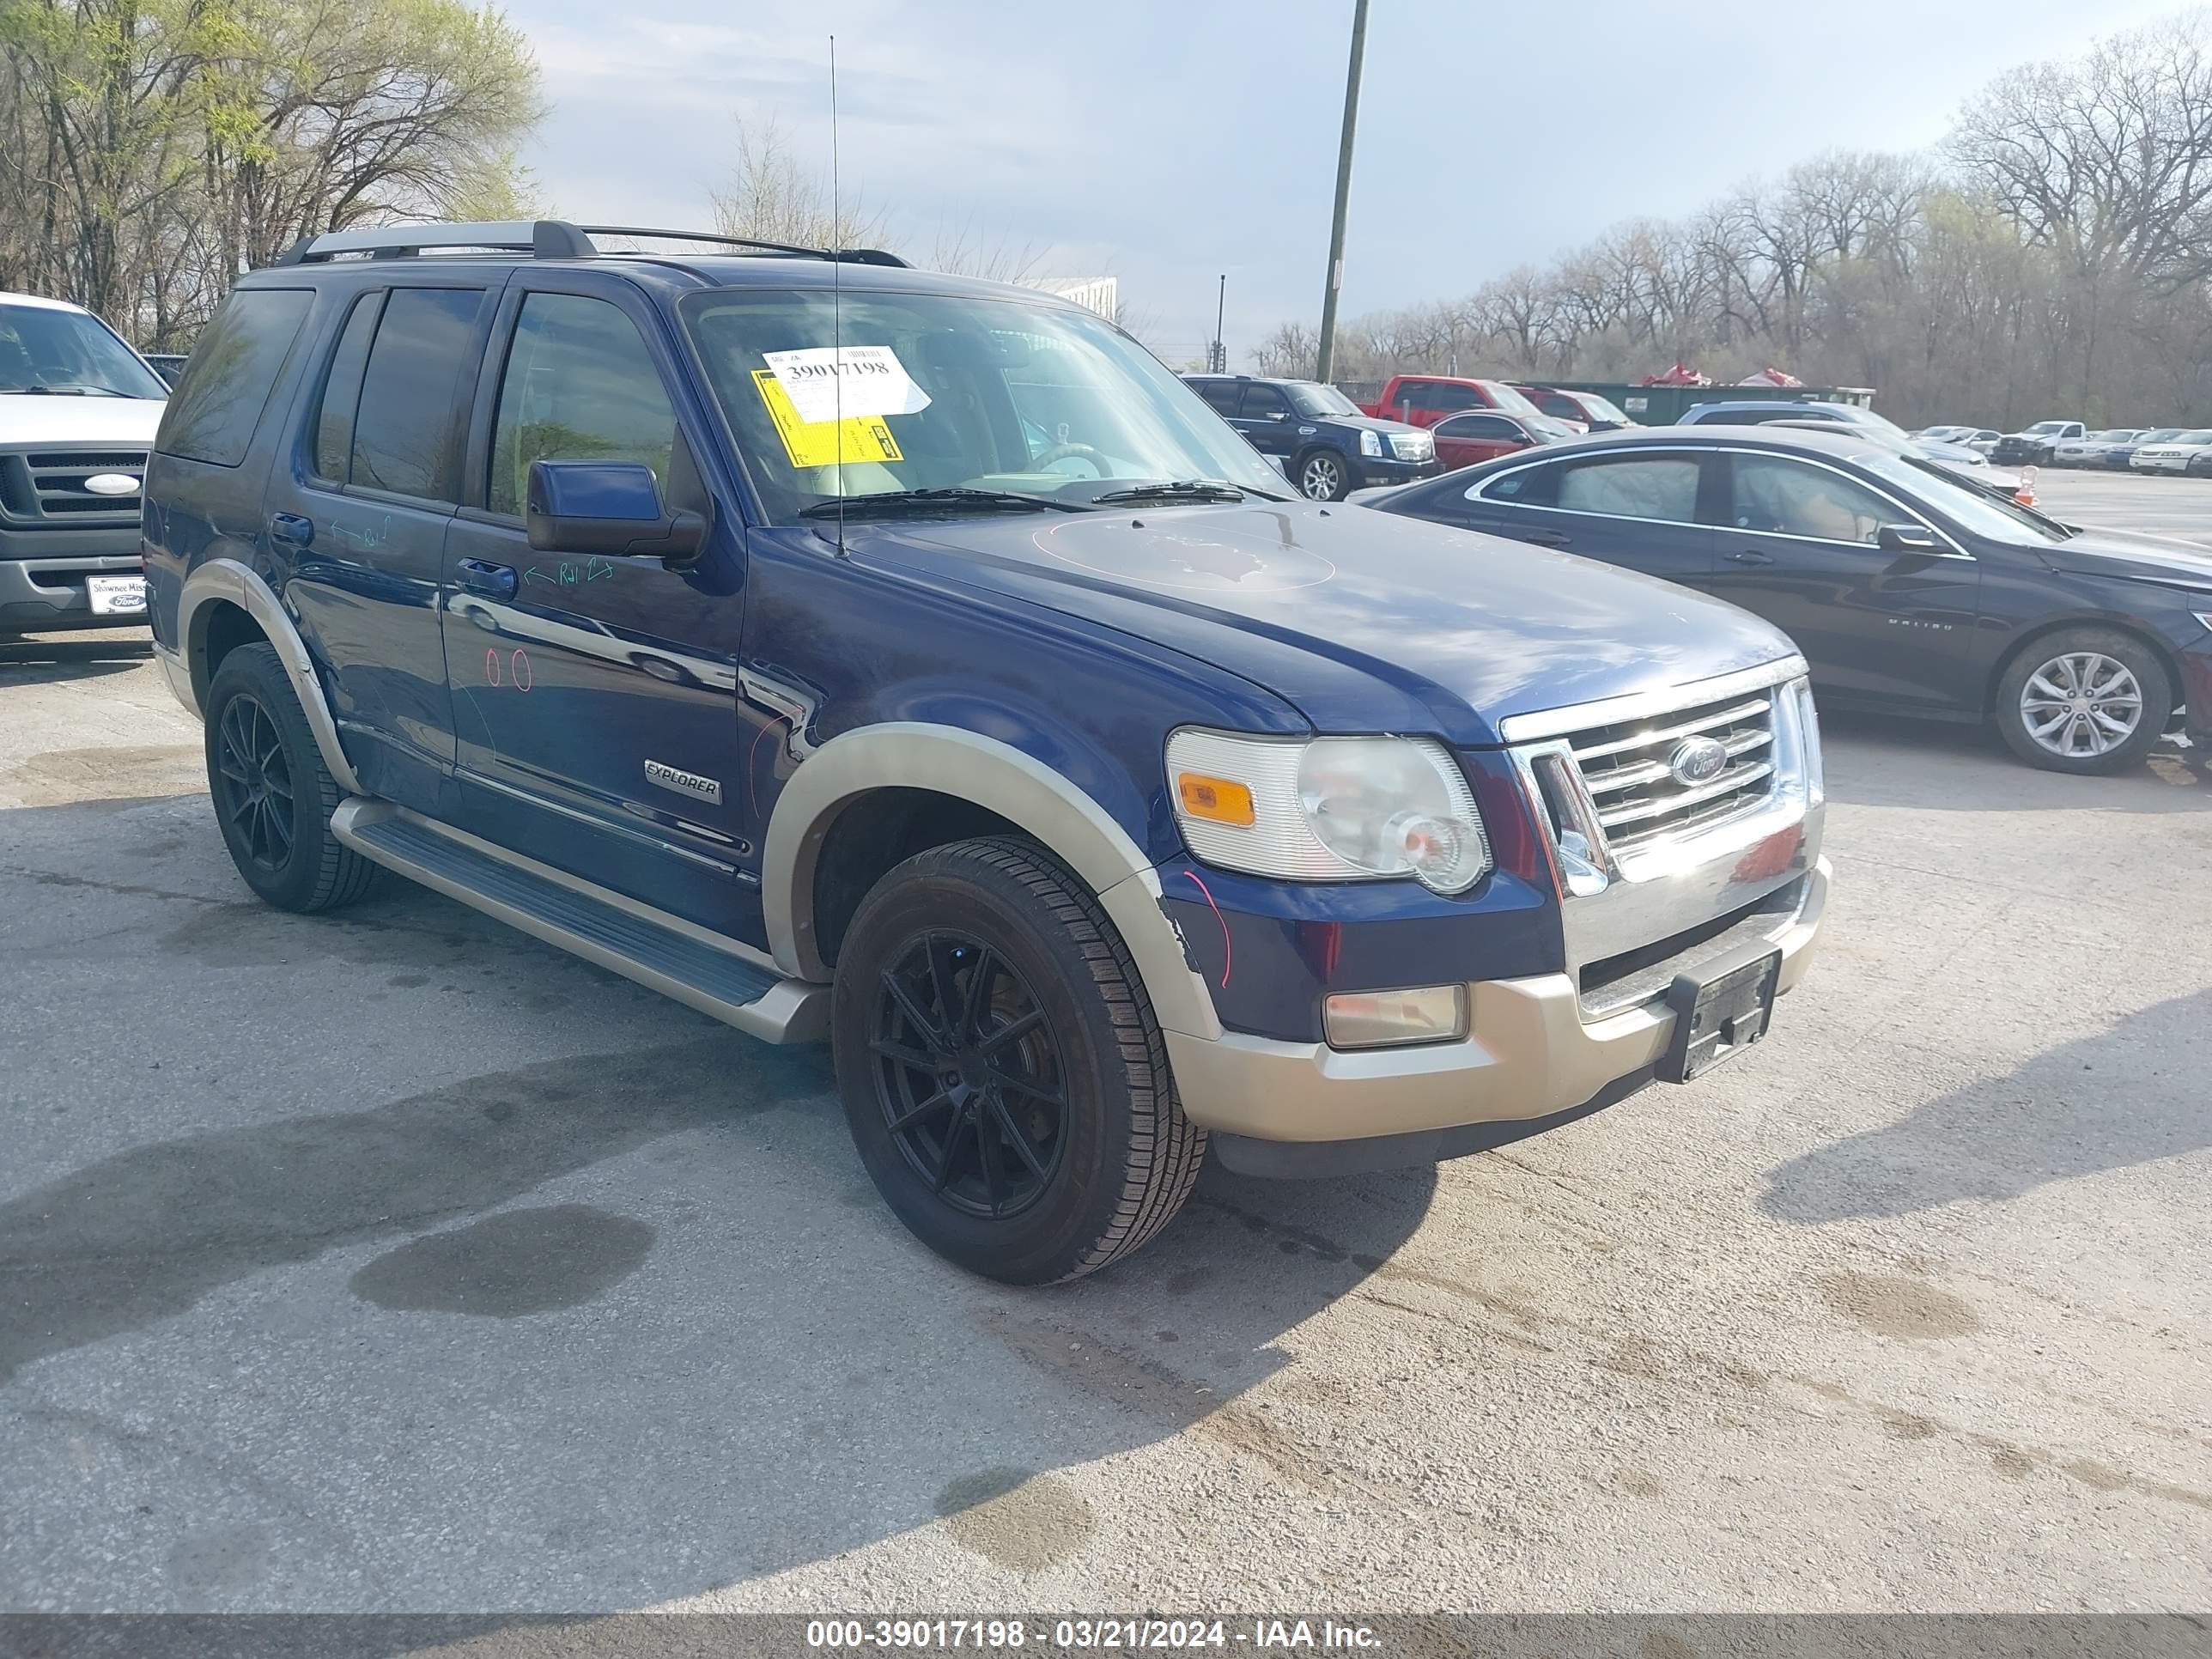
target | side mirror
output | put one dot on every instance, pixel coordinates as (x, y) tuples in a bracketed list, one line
[(1907, 538), (610, 507)]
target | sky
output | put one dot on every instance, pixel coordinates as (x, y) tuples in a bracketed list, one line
[(1169, 142)]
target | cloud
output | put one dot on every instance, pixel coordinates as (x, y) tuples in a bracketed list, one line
[(1167, 141)]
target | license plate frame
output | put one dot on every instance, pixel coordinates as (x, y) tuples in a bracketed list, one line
[(116, 596), (1719, 1013)]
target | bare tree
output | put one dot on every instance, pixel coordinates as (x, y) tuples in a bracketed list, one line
[(772, 196)]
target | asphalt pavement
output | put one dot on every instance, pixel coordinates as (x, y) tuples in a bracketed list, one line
[(393, 1262)]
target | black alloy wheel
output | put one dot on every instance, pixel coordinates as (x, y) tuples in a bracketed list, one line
[(969, 1075), (253, 783)]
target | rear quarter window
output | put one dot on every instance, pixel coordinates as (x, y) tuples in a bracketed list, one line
[(235, 366)]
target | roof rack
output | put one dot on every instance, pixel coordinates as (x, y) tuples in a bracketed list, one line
[(542, 238)]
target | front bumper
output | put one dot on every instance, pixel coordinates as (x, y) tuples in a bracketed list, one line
[(42, 588), (1531, 1053), (1386, 469)]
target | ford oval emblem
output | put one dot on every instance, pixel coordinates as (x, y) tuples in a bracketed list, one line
[(111, 484), (1698, 760)]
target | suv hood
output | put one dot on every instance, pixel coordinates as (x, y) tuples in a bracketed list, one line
[(1356, 423), (31, 418), (1362, 621)]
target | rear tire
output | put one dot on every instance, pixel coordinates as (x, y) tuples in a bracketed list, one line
[(1005, 1083), (273, 796), (2062, 700)]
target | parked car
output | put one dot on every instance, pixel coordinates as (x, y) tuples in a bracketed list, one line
[(1105, 805), (2189, 453), (1585, 408), (1956, 458), (1880, 428), (77, 410), (1464, 439), (1908, 589), (1425, 399), (2091, 447), (2123, 456), (1325, 445), (167, 364), (1945, 434), (2035, 445)]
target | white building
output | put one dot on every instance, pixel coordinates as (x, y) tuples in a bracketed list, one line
[(1100, 293)]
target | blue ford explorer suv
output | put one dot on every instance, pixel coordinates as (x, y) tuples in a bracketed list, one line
[(853, 652)]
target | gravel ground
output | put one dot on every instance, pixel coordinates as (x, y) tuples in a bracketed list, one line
[(392, 1261)]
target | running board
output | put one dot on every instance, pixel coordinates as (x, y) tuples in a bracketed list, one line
[(720, 977)]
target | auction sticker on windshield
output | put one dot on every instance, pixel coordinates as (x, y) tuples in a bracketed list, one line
[(824, 443), (826, 382)]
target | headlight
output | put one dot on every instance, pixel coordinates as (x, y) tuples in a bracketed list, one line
[(1370, 441), (1327, 809), (1808, 730)]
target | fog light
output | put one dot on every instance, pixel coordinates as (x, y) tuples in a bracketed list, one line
[(1381, 1019)]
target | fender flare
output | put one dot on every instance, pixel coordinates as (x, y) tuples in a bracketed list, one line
[(229, 580), (1001, 778)]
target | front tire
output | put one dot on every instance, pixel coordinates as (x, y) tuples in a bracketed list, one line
[(273, 795), (1323, 475), (1005, 1083), (2084, 701)]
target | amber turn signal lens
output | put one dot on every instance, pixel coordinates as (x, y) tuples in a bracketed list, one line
[(1216, 798)]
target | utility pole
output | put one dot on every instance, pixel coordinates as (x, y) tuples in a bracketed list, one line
[(1343, 193), (1220, 353)]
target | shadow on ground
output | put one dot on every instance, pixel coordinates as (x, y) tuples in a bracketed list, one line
[(1876, 760), (2133, 1094), (716, 1358), (84, 656)]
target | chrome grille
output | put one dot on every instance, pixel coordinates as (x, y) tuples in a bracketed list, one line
[(48, 485), (1413, 445), (1627, 771)]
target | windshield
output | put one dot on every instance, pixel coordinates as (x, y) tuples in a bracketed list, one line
[(950, 393), (1601, 408), (45, 349), (2164, 435), (1311, 398), (1882, 423), (2118, 434), (1507, 401), (1545, 426), (1983, 512)]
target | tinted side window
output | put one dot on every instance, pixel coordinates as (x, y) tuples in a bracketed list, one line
[(1525, 486), (407, 431), (580, 385), (1455, 397), (1262, 401), (234, 369), (1478, 426), (1222, 394), (342, 391), (1659, 486), (1794, 499)]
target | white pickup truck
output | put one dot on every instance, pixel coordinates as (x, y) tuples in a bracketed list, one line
[(77, 412)]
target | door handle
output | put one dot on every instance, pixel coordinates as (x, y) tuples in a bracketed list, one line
[(1749, 555), (292, 528), (493, 581)]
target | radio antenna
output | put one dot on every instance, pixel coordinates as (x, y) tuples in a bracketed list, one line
[(837, 296)]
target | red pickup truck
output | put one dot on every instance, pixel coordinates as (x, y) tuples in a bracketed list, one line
[(1425, 399)]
